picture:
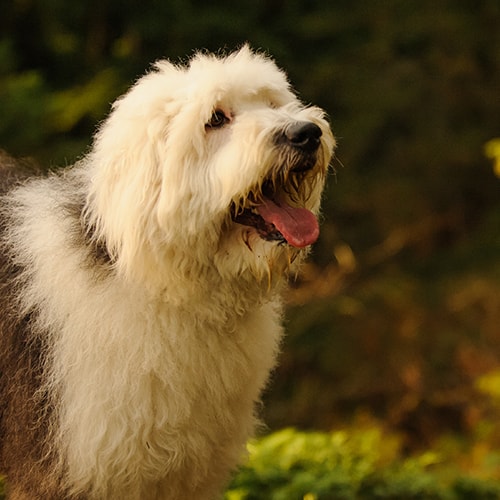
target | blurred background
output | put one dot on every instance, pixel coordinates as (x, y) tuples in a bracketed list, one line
[(396, 318)]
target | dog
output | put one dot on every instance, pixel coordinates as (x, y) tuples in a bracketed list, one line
[(140, 288)]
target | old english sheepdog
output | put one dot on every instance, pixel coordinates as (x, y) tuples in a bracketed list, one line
[(140, 288)]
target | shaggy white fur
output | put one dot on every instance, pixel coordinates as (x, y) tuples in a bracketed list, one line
[(151, 272)]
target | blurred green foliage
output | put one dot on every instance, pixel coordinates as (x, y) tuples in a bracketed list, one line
[(353, 464), (492, 150), (397, 314)]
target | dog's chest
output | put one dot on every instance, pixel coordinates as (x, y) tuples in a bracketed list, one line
[(171, 393)]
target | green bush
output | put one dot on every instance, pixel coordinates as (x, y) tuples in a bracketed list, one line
[(345, 465)]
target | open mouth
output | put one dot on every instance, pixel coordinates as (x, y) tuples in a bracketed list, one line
[(275, 217)]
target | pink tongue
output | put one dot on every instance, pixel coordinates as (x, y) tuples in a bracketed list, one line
[(298, 226)]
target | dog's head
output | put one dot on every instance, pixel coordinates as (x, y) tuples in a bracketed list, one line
[(218, 158)]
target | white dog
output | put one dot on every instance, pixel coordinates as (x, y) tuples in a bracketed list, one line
[(140, 309)]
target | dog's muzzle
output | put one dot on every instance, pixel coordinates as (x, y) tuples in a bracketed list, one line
[(273, 211)]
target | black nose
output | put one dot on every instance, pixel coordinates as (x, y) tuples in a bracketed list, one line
[(303, 135)]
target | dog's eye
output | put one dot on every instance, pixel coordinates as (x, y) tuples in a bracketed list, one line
[(217, 120)]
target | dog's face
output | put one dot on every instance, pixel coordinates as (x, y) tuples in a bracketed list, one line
[(219, 157)]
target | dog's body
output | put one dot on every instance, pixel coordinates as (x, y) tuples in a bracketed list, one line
[(140, 310)]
